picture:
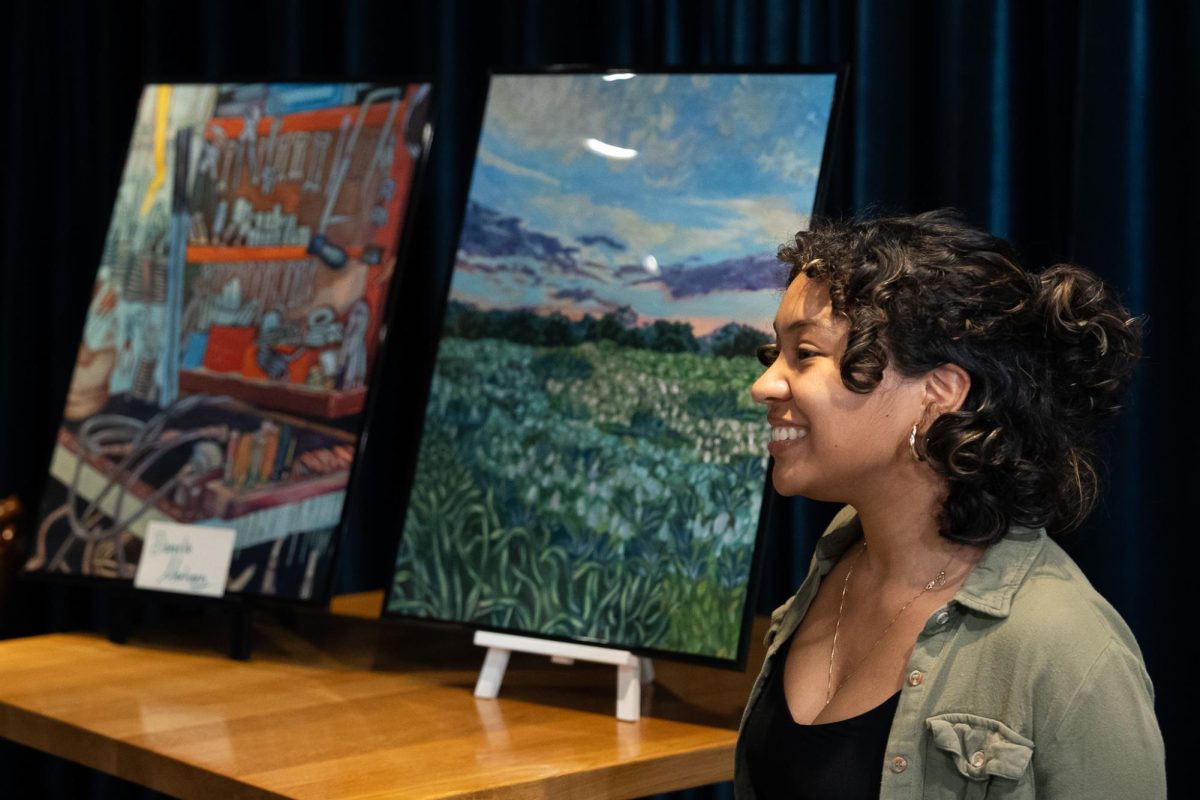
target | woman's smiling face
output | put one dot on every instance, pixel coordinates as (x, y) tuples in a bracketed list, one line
[(829, 443)]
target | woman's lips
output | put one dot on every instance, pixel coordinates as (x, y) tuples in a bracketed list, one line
[(785, 438)]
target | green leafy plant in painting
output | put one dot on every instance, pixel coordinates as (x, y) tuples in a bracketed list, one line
[(596, 491)]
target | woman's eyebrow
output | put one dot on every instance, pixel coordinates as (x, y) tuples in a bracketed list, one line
[(803, 324)]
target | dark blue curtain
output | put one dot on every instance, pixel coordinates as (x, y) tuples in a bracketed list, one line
[(1069, 127)]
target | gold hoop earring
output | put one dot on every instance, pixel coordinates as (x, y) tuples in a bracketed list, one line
[(912, 443)]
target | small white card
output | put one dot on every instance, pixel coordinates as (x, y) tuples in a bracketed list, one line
[(186, 559)]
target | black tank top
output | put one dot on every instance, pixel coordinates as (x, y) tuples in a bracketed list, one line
[(842, 759)]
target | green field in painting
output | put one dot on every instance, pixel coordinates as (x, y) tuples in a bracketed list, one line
[(594, 491)]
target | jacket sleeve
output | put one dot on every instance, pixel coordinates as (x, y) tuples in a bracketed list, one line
[(1107, 744)]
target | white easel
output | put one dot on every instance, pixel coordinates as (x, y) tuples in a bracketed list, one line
[(632, 671)]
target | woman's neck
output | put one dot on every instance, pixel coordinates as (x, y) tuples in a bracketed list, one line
[(904, 547)]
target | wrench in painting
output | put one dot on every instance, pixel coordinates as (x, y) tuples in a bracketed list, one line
[(321, 141), (295, 171), (269, 175), (333, 190), (249, 140), (380, 147)]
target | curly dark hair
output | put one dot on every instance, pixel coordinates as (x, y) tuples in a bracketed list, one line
[(1049, 354)]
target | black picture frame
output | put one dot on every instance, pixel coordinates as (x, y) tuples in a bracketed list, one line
[(770, 503)]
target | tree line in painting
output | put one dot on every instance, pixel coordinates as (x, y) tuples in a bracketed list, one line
[(525, 326)]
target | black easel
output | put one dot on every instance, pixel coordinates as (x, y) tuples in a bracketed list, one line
[(127, 606)]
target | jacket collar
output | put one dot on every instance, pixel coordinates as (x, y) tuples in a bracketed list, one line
[(990, 587)]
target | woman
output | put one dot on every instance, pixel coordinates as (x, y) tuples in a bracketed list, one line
[(942, 645)]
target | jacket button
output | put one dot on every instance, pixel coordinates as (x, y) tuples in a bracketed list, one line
[(899, 764), (978, 759), (941, 617), (915, 677)]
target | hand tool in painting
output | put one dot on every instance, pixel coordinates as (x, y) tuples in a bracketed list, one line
[(320, 143), (269, 174), (316, 378), (256, 456), (310, 575), (275, 224), (323, 328), (197, 233), (239, 582), (239, 155), (219, 141), (293, 542), (279, 160), (332, 254), (334, 257), (207, 165), (340, 146), (377, 155), (379, 211), (387, 186), (274, 363), (341, 166), (299, 152), (254, 232), (250, 136), (228, 154), (268, 582), (204, 184), (231, 451), (288, 235), (219, 220), (284, 452), (203, 466), (241, 464), (353, 355), (270, 451), (240, 222), (289, 460), (328, 360), (275, 331)]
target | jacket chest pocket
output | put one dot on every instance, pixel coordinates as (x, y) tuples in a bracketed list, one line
[(973, 758)]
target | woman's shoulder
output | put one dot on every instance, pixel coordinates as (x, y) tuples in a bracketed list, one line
[(1058, 621)]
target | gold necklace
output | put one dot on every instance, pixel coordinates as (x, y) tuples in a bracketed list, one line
[(938, 581)]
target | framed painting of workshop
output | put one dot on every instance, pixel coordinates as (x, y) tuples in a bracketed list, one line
[(592, 466), (236, 317)]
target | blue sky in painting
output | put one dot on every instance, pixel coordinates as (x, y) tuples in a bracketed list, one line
[(726, 169)]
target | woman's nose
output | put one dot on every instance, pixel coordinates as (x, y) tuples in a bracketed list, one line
[(771, 387)]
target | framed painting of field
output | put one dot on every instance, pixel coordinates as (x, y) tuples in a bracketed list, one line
[(591, 465)]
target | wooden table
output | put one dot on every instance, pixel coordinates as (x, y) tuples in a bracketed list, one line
[(341, 707)]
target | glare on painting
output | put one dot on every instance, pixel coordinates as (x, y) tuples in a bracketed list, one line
[(592, 465)]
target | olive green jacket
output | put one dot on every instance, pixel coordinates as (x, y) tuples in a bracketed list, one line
[(1027, 684)]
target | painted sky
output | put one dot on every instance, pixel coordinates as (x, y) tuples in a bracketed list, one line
[(726, 170)]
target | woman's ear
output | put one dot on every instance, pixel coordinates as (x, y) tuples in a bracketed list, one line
[(946, 387)]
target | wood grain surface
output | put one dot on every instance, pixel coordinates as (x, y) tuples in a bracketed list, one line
[(344, 707)]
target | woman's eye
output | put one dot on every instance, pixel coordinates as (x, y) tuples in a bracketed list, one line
[(802, 353), (767, 354)]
